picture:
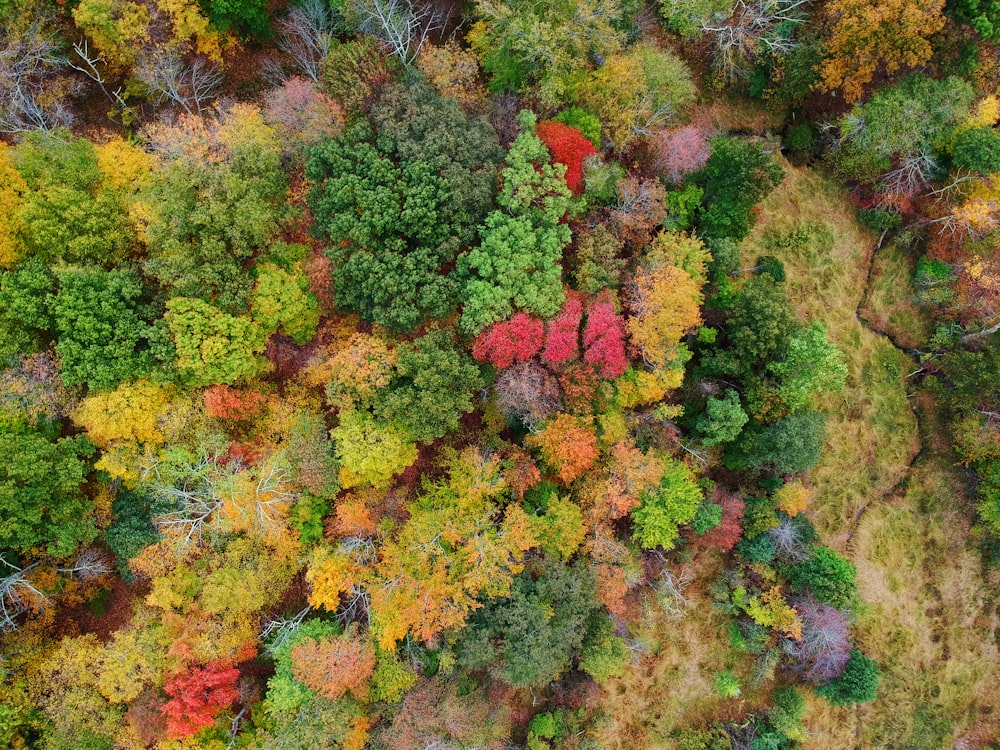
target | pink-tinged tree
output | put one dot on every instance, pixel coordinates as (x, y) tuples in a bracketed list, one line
[(510, 341), (680, 152), (528, 392), (822, 652), (563, 331), (604, 338)]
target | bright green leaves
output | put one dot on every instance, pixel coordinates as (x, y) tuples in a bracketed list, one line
[(213, 347), (398, 205), (432, 389), (675, 502), (282, 300), (102, 323), (41, 502)]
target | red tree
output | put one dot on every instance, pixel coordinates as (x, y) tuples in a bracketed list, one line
[(681, 151), (224, 402), (567, 146), (510, 341), (197, 695), (563, 331), (726, 534), (604, 338)]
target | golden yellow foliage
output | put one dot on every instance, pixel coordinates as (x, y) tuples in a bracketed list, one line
[(128, 413), (123, 164), (792, 497), (873, 35), (665, 305), (12, 187), (190, 24), (118, 28), (454, 73)]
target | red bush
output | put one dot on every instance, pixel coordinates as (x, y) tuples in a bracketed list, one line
[(567, 146), (562, 333), (510, 341), (604, 338), (197, 695)]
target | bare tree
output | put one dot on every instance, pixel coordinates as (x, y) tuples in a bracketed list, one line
[(87, 63), (91, 563), (172, 78), (912, 175), (825, 646), (17, 595), (277, 631), (32, 95), (528, 392), (306, 35), (749, 28), (400, 24), (670, 592)]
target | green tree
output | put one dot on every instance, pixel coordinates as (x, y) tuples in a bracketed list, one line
[(790, 445), (531, 638), (219, 200), (398, 200), (757, 330), (25, 321), (211, 346), (858, 683), (675, 502), (723, 419), (828, 576), (41, 502), (914, 117), (102, 326), (812, 365), (282, 300), (522, 44), (433, 387), (248, 16), (736, 178), (977, 149), (516, 264)]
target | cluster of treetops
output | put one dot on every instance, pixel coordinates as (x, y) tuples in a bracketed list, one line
[(398, 392)]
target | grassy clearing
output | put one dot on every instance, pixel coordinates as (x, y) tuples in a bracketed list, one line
[(927, 618), (889, 306), (929, 622), (871, 431)]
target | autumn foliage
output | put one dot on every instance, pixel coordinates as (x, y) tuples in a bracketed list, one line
[(197, 695), (568, 445), (334, 666), (234, 404), (510, 341), (604, 338), (567, 146), (562, 333)]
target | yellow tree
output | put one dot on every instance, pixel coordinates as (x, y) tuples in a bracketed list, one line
[(12, 187), (665, 305), (870, 36)]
